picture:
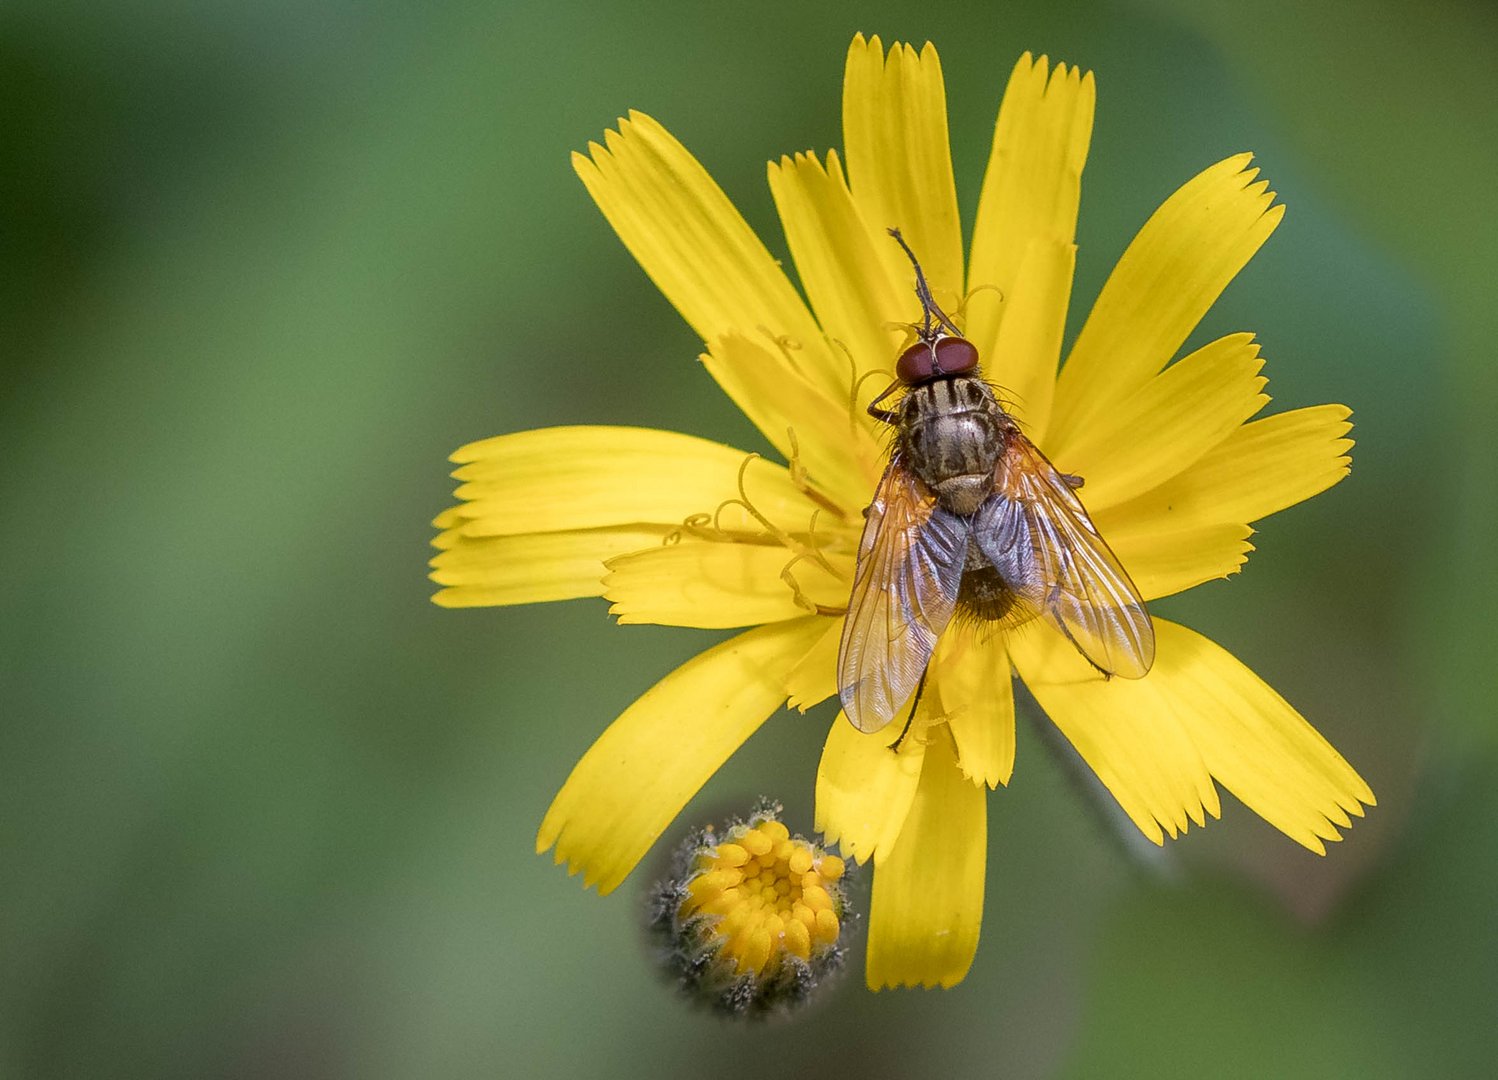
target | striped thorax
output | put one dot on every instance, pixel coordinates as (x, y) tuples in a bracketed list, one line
[(953, 431)]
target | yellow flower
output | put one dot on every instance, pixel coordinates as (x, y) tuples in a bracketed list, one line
[(678, 530), (750, 920)]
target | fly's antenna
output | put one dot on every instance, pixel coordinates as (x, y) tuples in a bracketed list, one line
[(923, 293)]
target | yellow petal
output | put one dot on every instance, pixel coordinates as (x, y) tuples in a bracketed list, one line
[(927, 902), (1170, 275), (1259, 747), (840, 261), (585, 477), (1023, 362), (536, 567), (1030, 191), (1260, 469), (814, 679), (694, 245), (1125, 729), (642, 770), (827, 436), (1199, 713), (1164, 559), (971, 677), (864, 788), (1196, 523), (1168, 424), (899, 161), (714, 585), (1256, 745)]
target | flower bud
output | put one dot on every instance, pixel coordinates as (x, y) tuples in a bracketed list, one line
[(751, 919)]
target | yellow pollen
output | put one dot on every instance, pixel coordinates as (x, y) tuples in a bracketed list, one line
[(766, 895), (798, 939), (827, 928), (702, 889), (724, 902), (734, 921), (775, 830), (733, 855), (756, 955), (816, 898), (724, 879)]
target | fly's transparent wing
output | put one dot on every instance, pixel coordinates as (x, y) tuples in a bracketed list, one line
[(1036, 533), (904, 592)]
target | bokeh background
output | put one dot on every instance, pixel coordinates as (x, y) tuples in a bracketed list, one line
[(267, 812)]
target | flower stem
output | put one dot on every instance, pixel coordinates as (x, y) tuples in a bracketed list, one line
[(1157, 861)]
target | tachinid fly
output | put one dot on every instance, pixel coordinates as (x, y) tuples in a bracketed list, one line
[(970, 519)]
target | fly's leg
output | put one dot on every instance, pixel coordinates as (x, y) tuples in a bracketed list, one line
[(888, 416), (856, 381), (1060, 624), (877, 413), (904, 731)]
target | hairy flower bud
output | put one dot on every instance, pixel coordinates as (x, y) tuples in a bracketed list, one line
[(751, 919)]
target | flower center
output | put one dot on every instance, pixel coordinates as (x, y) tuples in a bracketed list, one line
[(772, 895)]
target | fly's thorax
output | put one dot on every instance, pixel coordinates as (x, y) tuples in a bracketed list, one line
[(952, 431)]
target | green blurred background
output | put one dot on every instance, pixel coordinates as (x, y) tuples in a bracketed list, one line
[(267, 812)]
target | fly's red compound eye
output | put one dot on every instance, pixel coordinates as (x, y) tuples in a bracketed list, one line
[(955, 356), (916, 364)]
